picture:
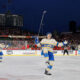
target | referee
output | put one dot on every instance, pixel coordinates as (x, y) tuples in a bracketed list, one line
[(65, 50)]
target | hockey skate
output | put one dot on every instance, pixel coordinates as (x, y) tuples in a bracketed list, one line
[(47, 73)]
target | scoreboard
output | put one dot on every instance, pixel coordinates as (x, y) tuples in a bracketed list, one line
[(11, 20)]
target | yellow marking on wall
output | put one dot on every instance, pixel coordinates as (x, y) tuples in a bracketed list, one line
[(40, 55)]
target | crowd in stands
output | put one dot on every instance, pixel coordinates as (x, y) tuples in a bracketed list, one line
[(13, 31), (73, 39)]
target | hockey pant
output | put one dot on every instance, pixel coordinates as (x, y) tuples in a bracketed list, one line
[(50, 57)]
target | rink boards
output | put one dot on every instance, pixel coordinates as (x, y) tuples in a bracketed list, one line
[(36, 52)]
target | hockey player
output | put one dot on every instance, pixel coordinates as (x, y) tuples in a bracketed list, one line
[(2, 45), (1, 53), (47, 46)]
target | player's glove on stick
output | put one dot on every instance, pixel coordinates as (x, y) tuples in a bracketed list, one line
[(36, 40)]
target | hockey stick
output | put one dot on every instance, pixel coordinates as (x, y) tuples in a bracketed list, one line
[(41, 23)]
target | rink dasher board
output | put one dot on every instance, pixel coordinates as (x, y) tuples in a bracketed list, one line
[(36, 52)]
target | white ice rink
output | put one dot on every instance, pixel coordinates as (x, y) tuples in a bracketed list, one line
[(32, 68)]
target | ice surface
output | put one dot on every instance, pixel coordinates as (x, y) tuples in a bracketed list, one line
[(32, 68)]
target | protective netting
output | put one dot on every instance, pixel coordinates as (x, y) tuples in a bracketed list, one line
[(14, 44), (28, 42)]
